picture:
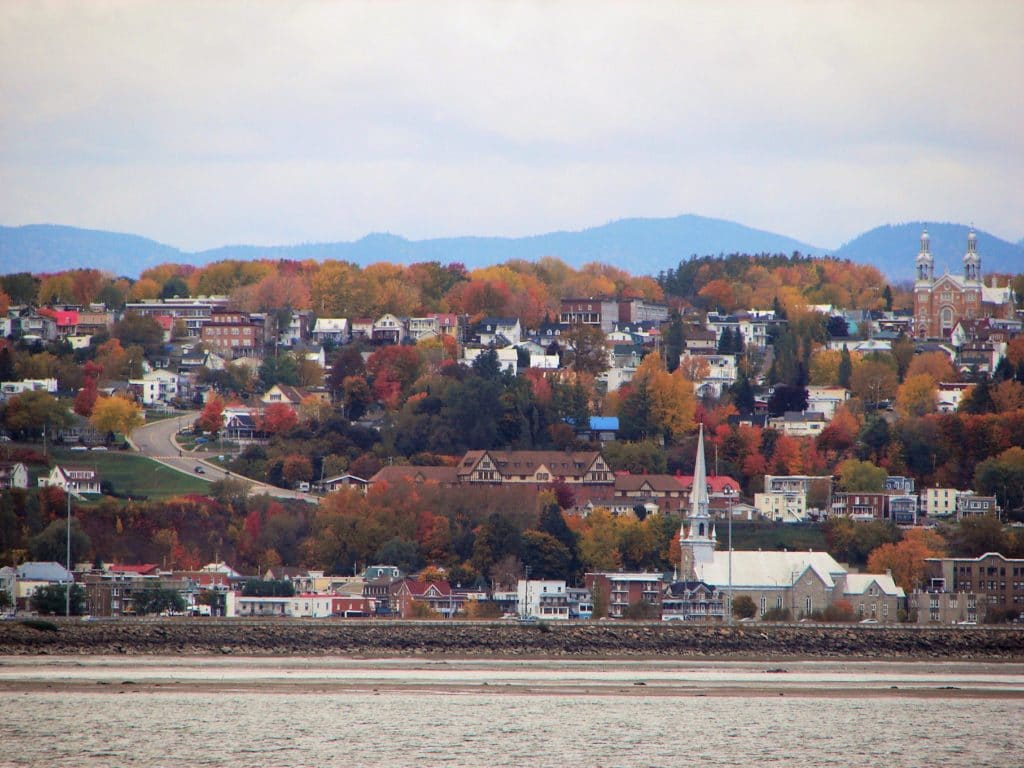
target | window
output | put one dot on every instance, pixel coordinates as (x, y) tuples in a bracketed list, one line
[(764, 604)]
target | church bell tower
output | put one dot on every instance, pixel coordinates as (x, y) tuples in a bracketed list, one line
[(697, 537)]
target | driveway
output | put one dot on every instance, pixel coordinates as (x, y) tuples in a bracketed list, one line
[(156, 440)]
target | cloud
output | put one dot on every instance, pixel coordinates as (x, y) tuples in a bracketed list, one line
[(206, 123)]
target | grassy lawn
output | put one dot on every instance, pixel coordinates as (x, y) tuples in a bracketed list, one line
[(134, 475), (772, 536)]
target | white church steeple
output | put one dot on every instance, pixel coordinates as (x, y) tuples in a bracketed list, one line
[(972, 260), (697, 537)]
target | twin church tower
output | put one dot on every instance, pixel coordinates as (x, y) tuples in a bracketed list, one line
[(940, 303)]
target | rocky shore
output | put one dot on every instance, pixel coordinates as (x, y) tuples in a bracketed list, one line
[(508, 639)]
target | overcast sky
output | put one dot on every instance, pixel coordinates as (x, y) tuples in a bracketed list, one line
[(208, 123)]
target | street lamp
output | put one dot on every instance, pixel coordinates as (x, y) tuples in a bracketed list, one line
[(729, 491)]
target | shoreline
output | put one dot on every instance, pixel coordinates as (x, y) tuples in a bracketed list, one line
[(504, 640)]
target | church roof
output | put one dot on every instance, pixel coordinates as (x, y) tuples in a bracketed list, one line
[(768, 570)]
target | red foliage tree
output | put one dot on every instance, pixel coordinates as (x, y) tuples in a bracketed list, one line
[(277, 418)]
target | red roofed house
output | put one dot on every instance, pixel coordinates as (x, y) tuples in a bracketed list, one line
[(65, 320), (436, 595)]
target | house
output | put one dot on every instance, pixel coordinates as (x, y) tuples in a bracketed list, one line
[(75, 480), (241, 425), (10, 388), (693, 601), (936, 605), (284, 393), (536, 467), (388, 329), (700, 341), (782, 507), (294, 328), (874, 596), (950, 394), (499, 331), (602, 312), (600, 429), (312, 351), (640, 311), (309, 606), (397, 473), (337, 482), (114, 591), (940, 502), (860, 505), (799, 423), (433, 325), (13, 474), (154, 387), (713, 373), (331, 330), (620, 591), (431, 597), (21, 582), (968, 504), (508, 356), (825, 400), (362, 328), (545, 599)]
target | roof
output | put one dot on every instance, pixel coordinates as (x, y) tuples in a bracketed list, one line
[(423, 588), (413, 474), (559, 463), (771, 570), (60, 316), (43, 571), (142, 569), (858, 584)]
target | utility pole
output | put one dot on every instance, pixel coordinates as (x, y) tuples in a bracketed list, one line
[(67, 589)]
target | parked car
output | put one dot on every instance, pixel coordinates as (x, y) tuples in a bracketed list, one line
[(200, 471), (98, 448), (79, 448)]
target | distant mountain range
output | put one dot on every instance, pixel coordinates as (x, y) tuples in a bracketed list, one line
[(640, 246)]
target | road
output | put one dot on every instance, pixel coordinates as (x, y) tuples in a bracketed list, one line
[(156, 441)]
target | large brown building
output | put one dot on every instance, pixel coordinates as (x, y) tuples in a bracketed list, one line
[(997, 579), (941, 302), (233, 334)]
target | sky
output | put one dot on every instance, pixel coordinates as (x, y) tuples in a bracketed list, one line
[(202, 124)]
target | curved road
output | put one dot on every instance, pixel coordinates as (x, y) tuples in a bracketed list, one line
[(156, 440)]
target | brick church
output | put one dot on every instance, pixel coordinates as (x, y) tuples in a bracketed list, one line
[(940, 302)]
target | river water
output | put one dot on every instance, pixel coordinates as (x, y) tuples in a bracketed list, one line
[(161, 711)]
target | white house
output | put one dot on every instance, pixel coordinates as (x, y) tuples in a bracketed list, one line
[(543, 599), (490, 328), (159, 386), (825, 400), (13, 475), (75, 480), (332, 329)]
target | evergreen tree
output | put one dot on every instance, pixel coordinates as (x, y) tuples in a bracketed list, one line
[(725, 342), (845, 367), (743, 394)]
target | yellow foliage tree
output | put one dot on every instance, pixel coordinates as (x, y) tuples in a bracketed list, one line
[(116, 414), (917, 396), (672, 401)]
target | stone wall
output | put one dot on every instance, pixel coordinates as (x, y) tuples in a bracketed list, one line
[(510, 639)]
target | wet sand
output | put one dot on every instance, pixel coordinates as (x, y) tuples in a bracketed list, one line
[(610, 677)]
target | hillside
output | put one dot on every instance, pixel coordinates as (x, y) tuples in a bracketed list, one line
[(892, 248)]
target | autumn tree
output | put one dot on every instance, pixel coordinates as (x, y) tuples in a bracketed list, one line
[(116, 414), (862, 476), (934, 364), (917, 396), (277, 418), (212, 417), (906, 558), (29, 413), (85, 400), (587, 350), (874, 380)]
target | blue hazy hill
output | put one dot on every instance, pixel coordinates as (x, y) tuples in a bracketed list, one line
[(893, 247), (50, 248), (641, 246)]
